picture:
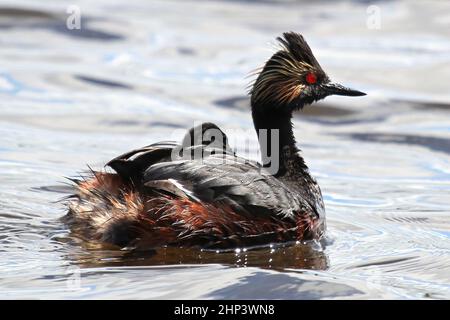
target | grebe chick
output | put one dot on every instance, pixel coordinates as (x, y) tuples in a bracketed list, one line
[(199, 193)]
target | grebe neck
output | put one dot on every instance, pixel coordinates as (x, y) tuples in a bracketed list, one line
[(275, 127)]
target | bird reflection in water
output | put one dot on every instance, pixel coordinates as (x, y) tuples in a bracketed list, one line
[(305, 255)]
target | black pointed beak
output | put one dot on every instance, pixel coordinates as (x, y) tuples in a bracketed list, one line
[(337, 89)]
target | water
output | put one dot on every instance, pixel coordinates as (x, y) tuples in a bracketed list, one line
[(138, 72)]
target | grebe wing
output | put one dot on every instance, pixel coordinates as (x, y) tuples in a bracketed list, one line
[(228, 179), (130, 166)]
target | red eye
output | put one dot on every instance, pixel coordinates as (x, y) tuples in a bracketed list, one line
[(311, 78)]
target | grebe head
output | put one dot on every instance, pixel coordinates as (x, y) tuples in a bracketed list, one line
[(293, 78)]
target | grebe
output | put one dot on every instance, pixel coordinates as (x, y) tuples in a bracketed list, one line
[(162, 195)]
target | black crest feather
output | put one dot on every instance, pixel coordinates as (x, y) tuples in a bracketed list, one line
[(297, 46)]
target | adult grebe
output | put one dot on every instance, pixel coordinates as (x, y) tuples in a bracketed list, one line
[(166, 194)]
